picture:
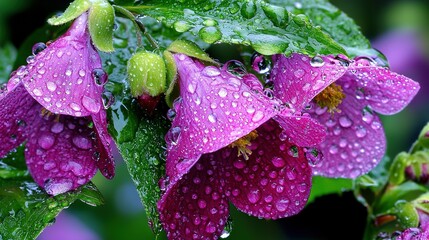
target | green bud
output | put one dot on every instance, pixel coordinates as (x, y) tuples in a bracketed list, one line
[(101, 22), (146, 74), (74, 10), (397, 169), (406, 213), (191, 49)]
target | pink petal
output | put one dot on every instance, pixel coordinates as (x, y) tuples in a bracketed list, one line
[(61, 77), (59, 154), (105, 143), (15, 116), (298, 78), (195, 207), (355, 142), (215, 109), (304, 131), (274, 182), (384, 91)]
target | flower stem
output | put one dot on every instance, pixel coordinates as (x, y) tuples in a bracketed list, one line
[(139, 25)]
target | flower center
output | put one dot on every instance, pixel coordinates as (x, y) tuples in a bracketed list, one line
[(243, 144), (331, 97)]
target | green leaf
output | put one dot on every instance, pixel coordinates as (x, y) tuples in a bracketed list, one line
[(74, 10), (407, 191), (191, 49), (13, 164), (267, 28), (101, 21), (323, 186), (25, 209), (334, 22), (144, 156), (7, 58)]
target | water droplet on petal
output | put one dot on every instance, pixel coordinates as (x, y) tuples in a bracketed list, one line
[(99, 76), (257, 116), (37, 92), (57, 127), (222, 92), (282, 205), (211, 71), (173, 135), (90, 104), (38, 47), (345, 121), (260, 63), (317, 62), (235, 67), (360, 132), (254, 195), (278, 162), (313, 156), (57, 187), (46, 141), (82, 142)]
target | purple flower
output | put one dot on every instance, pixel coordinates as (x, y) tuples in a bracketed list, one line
[(345, 101), (55, 105), (228, 142)]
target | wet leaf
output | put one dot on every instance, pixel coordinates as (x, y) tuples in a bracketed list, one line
[(26, 209), (7, 57), (324, 186), (144, 156), (267, 28), (334, 22)]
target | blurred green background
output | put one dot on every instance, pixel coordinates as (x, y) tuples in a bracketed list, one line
[(398, 28)]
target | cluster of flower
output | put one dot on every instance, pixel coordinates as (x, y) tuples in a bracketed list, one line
[(231, 139)]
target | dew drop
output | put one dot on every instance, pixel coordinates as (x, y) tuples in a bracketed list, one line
[(235, 67), (361, 132), (317, 61), (210, 34), (282, 205), (182, 26), (260, 63), (57, 127), (211, 71), (99, 76), (57, 187), (279, 16), (38, 47), (293, 151), (254, 195), (222, 92), (37, 92), (345, 121), (173, 135), (313, 156), (51, 86), (46, 141), (82, 142), (278, 162), (90, 104), (257, 116)]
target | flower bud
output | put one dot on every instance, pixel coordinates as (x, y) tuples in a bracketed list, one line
[(146, 74)]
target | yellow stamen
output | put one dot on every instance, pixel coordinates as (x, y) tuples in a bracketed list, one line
[(243, 143), (46, 113), (331, 97)]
